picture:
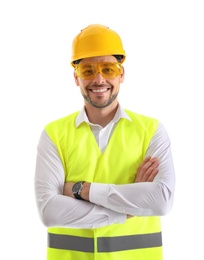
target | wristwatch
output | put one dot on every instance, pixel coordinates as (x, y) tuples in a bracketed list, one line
[(76, 189)]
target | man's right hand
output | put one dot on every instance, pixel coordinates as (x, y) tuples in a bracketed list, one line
[(147, 170)]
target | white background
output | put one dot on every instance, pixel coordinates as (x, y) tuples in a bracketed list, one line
[(164, 43)]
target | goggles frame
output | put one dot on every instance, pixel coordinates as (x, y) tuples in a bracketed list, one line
[(108, 70)]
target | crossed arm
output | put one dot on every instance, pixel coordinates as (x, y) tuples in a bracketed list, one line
[(104, 204), (146, 173)]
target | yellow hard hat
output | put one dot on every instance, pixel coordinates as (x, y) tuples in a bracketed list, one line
[(96, 40)]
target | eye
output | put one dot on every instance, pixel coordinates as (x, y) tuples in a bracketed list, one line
[(108, 70), (87, 70)]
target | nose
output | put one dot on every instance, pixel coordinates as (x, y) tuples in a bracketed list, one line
[(99, 79)]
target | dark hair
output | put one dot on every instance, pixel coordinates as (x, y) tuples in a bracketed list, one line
[(118, 57), (76, 61)]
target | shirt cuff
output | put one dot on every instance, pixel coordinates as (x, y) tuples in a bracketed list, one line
[(98, 195)]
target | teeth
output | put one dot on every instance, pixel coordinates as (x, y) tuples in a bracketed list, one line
[(99, 90)]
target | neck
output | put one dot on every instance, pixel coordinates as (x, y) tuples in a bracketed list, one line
[(101, 116)]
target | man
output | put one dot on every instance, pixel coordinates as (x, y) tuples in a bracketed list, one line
[(104, 175)]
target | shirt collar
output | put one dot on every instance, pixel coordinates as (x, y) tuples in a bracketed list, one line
[(120, 113)]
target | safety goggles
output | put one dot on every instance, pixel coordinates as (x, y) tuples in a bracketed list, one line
[(108, 70)]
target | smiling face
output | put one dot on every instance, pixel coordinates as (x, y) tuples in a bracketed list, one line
[(99, 92)]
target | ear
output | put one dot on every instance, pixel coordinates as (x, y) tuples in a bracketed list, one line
[(76, 79), (122, 75)]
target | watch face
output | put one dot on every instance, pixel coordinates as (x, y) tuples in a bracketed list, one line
[(77, 187)]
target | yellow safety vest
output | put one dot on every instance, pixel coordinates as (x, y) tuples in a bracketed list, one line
[(139, 237)]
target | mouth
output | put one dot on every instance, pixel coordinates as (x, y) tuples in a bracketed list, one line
[(99, 90)]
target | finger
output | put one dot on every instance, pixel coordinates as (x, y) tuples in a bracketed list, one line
[(154, 160), (153, 175), (144, 170), (152, 170), (147, 170), (146, 160), (150, 164)]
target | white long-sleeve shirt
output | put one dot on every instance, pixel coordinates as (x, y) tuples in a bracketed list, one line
[(108, 203)]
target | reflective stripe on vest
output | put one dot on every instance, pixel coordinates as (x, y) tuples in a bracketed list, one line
[(105, 244)]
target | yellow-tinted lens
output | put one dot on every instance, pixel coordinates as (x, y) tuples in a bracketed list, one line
[(106, 69), (86, 71)]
